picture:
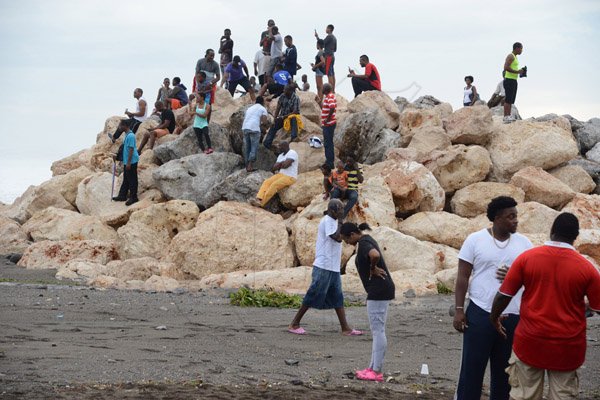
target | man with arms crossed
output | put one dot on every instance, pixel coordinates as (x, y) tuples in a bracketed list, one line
[(482, 254), (551, 335)]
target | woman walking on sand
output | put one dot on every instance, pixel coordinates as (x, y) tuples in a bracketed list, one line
[(380, 290)]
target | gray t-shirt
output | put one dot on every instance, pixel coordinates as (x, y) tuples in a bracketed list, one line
[(277, 46), (330, 45), (210, 68)]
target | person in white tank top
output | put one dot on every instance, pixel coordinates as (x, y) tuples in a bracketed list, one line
[(470, 94), (141, 109)]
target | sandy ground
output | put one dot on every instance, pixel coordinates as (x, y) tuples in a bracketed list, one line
[(70, 342)]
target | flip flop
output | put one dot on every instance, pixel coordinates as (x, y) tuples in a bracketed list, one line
[(353, 332), (298, 331)]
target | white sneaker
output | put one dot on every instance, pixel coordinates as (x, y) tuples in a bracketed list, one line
[(508, 119)]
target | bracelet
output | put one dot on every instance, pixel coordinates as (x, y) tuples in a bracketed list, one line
[(459, 308)]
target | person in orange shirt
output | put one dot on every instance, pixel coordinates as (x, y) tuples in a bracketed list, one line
[(339, 181)]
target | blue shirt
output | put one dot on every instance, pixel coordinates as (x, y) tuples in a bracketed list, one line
[(129, 143), (282, 77)]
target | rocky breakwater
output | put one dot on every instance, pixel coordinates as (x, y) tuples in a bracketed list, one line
[(429, 174)]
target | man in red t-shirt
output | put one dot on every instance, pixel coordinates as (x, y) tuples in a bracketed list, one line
[(551, 335), (328, 122), (369, 81)]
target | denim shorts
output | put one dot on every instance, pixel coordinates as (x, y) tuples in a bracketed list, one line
[(318, 72), (325, 291)]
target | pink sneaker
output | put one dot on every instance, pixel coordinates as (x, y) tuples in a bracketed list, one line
[(370, 375), (362, 372)]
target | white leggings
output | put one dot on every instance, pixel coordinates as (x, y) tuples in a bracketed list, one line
[(377, 310)]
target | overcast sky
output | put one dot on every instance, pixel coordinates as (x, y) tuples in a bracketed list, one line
[(68, 65)]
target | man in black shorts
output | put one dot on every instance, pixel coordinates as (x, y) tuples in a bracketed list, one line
[(236, 73)]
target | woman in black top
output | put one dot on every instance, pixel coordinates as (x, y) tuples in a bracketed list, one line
[(380, 290)]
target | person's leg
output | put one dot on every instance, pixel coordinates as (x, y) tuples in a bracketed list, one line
[(205, 132), (356, 86), (133, 184), (265, 186), (135, 124), (281, 182), (261, 79), (352, 197), (499, 355), (277, 125), (231, 86), (527, 382), (328, 132), (336, 193), (252, 147), (315, 295), (294, 127), (477, 344), (247, 147), (122, 196), (377, 310), (319, 82), (157, 133), (563, 385), (198, 132)]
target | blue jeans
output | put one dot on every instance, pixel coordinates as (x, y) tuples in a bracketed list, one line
[(251, 138), (277, 125), (350, 195), (328, 144), (481, 342)]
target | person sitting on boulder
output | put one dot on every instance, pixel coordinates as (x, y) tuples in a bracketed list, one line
[(287, 165), (130, 162), (288, 106), (166, 126), (164, 90), (135, 118), (498, 95), (327, 186), (305, 84), (354, 178), (276, 83), (369, 80), (339, 181), (177, 96)]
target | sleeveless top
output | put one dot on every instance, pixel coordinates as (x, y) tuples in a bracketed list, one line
[(467, 95), (515, 67), (200, 122), (137, 110), (318, 60)]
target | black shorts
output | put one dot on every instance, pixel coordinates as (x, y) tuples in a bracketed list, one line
[(510, 87), (244, 82), (275, 89)]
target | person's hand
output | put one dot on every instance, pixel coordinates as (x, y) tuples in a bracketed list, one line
[(128, 167), (501, 273), (498, 325), (378, 273), (520, 71), (325, 196), (316, 34), (460, 320)]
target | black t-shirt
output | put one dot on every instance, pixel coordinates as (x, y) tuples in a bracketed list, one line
[(168, 115), (377, 288)]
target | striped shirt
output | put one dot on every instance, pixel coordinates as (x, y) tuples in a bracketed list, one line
[(329, 103), (353, 179)]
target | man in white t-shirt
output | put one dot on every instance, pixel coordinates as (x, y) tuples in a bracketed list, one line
[(325, 291), (486, 255), (255, 117), (261, 64), (276, 49), (287, 165)]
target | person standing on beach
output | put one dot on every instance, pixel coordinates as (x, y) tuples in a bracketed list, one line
[(256, 116), (380, 289), (370, 80), (328, 122), (329, 49), (511, 74), (551, 336), (225, 49), (130, 163), (486, 254), (325, 291)]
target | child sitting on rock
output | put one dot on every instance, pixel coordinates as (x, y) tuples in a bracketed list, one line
[(327, 186), (339, 181)]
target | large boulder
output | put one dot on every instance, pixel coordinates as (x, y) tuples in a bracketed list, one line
[(588, 135), (473, 200), (425, 140), (375, 99), (232, 236), (301, 193), (50, 254), (69, 163), (37, 198), (223, 108), (69, 183), (359, 133), (439, 227), (588, 243), (413, 187), (511, 144), (309, 158), (80, 270), (383, 142), (375, 204), (241, 185), (58, 224), (459, 166), (13, 239), (586, 208), (309, 108), (535, 218), (470, 125), (594, 153), (411, 120), (186, 144), (447, 277), (196, 177), (542, 187), (94, 198), (149, 231), (575, 177), (592, 168)]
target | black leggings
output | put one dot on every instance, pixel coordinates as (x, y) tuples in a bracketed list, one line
[(202, 132)]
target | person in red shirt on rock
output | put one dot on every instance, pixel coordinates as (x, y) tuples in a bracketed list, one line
[(551, 335), (369, 81)]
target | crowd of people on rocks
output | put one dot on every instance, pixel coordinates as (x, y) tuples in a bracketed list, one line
[(526, 314)]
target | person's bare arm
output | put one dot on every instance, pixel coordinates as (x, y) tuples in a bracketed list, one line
[(205, 113), (225, 77), (255, 68), (501, 301), (141, 113), (460, 292), (507, 62), (376, 272), (246, 71), (337, 236)]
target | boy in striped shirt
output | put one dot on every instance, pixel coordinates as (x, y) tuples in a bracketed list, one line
[(328, 122), (354, 178)]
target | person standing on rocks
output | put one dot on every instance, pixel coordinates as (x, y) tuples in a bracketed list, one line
[(319, 68), (551, 336), (130, 163), (166, 126), (236, 73), (200, 125), (486, 254), (276, 48), (511, 74), (290, 57), (260, 66), (287, 165), (329, 49), (328, 122), (470, 95), (225, 49), (288, 106), (212, 72), (265, 38), (369, 80), (380, 289), (325, 291), (255, 118)]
